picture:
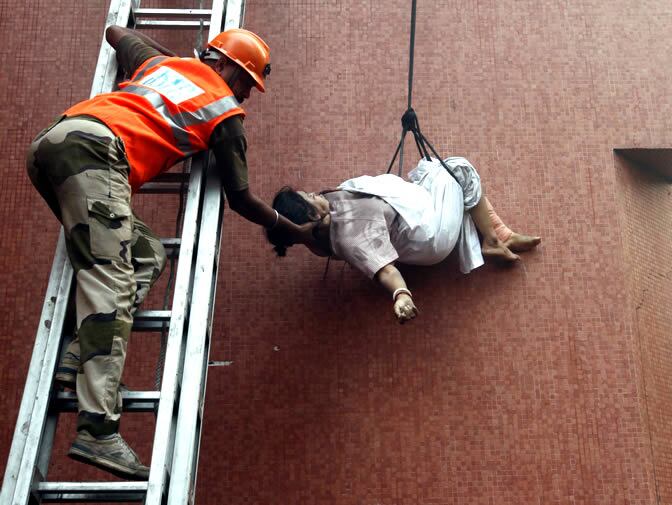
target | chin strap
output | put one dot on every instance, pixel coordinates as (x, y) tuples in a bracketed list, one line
[(233, 78), (207, 54)]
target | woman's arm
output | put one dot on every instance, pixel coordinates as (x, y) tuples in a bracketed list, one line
[(390, 278)]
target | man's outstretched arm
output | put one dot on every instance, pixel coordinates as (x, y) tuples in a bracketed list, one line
[(114, 34), (252, 208)]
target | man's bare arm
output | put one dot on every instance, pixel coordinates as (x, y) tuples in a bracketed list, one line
[(114, 34), (252, 208)]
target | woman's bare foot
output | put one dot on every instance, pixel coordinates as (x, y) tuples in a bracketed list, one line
[(497, 250), (521, 243)]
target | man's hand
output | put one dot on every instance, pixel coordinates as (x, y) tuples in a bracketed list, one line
[(404, 308)]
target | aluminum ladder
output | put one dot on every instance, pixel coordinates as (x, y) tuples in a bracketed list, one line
[(179, 402)]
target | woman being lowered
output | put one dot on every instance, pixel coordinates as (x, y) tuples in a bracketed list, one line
[(372, 222)]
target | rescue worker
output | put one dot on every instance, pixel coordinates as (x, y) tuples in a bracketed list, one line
[(87, 164)]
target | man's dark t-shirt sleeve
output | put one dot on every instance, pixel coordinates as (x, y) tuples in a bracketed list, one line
[(133, 52), (229, 145)]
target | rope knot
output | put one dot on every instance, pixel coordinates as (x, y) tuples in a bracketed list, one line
[(409, 121)]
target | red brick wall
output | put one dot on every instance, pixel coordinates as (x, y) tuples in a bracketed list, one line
[(535, 384)]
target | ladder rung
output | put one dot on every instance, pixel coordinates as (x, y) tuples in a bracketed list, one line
[(172, 18), (179, 13), (133, 401), (151, 23), (172, 177), (172, 244), (62, 492), (151, 320), (169, 182), (153, 315), (160, 188)]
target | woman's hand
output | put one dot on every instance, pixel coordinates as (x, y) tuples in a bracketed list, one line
[(404, 308), (390, 278)]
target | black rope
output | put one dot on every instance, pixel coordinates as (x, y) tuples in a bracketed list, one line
[(410, 57), (409, 120), (411, 53)]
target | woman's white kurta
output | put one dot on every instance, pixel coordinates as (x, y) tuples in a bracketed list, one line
[(432, 209)]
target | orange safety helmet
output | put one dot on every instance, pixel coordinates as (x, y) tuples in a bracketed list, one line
[(247, 50)]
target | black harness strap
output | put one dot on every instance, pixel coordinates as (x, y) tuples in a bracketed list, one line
[(409, 121)]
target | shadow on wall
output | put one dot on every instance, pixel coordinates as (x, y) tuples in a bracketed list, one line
[(645, 195), (656, 160)]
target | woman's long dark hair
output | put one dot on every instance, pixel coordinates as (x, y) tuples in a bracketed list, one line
[(295, 208)]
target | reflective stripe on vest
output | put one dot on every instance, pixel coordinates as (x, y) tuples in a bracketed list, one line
[(178, 122), (150, 65)]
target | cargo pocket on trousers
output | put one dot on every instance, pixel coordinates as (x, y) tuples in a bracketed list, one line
[(110, 229)]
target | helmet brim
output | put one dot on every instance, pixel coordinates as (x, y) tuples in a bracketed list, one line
[(258, 83)]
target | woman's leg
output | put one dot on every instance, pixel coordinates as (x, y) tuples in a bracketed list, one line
[(503, 232), (492, 246), (499, 241), (516, 242)]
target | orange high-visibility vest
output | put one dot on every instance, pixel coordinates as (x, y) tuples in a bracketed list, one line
[(164, 113)]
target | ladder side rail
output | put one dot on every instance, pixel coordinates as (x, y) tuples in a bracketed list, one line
[(190, 413), (217, 18), (215, 198), (31, 386), (30, 413), (231, 17), (49, 431), (165, 430), (218, 10), (42, 393), (48, 435), (189, 420), (235, 12), (106, 68), (104, 80)]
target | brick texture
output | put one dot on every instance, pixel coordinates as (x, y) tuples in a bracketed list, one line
[(544, 383)]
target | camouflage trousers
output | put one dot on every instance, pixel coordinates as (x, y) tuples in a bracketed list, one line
[(80, 169)]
